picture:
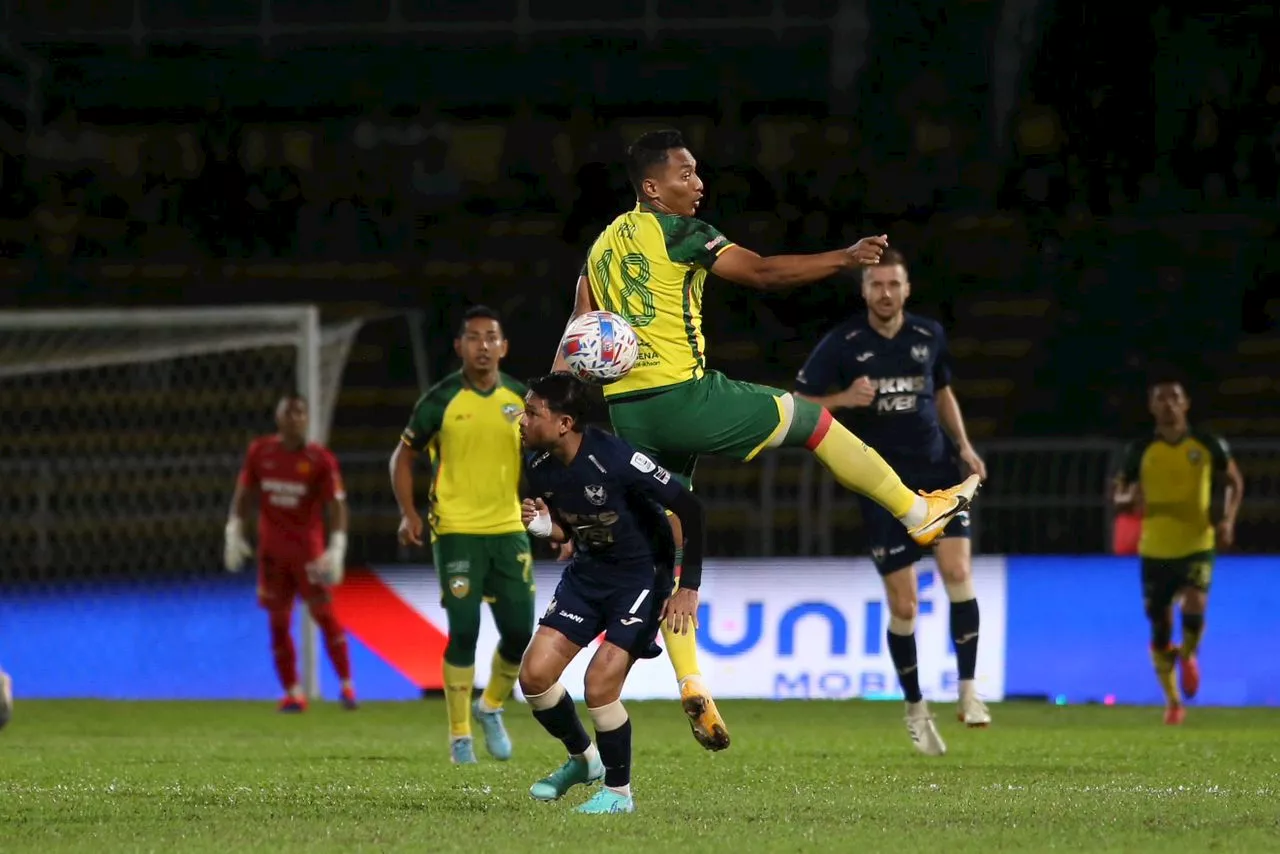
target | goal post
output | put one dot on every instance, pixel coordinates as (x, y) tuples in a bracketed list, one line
[(121, 431)]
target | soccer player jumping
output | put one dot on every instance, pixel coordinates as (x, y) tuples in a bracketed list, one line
[(1172, 477), (649, 266), (469, 423), (293, 479), (888, 375), (610, 499)]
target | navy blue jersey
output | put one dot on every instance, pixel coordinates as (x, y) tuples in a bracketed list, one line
[(610, 499), (907, 370)]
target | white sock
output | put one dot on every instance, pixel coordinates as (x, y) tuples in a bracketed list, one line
[(966, 688), (918, 513), (692, 677), (625, 791), (590, 754), (485, 707)]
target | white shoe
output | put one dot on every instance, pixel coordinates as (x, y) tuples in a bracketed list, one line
[(971, 711), (924, 735)]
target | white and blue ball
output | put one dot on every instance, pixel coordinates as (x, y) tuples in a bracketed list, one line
[(599, 347)]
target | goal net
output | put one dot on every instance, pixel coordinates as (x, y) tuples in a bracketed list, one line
[(121, 432)]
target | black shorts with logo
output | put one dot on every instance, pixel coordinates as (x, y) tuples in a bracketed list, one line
[(627, 611)]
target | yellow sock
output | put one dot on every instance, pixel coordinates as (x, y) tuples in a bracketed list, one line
[(502, 681), (1192, 631), (1164, 660), (458, 684), (683, 652), (858, 467)]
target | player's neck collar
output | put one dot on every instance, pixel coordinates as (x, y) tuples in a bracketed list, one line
[(901, 324), (483, 392), (1185, 432)]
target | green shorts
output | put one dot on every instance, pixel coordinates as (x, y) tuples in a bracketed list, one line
[(1164, 578), (488, 567), (714, 416)]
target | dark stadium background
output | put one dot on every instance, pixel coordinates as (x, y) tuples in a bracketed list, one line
[(1086, 192)]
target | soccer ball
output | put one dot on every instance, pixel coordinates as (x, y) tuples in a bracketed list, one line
[(599, 347)]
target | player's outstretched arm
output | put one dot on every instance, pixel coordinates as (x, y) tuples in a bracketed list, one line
[(777, 272)]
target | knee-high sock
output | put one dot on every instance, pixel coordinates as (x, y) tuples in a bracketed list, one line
[(282, 649), (335, 640), (458, 685), (857, 467)]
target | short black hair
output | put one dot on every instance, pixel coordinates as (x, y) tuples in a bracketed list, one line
[(477, 311), (648, 151), (565, 394)]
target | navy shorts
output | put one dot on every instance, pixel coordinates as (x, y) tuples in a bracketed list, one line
[(628, 613), (891, 547)]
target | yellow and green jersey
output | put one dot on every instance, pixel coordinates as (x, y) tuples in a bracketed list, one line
[(1177, 491), (649, 267), (473, 438)]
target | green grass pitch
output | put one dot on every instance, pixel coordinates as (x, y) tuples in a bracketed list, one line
[(800, 777)]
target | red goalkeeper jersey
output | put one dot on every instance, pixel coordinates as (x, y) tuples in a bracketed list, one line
[(294, 487)]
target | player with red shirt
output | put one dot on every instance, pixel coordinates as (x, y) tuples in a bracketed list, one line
[(294, 479)]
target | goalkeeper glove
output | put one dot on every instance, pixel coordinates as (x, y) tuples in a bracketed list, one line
[(236, 549), (330, 566)]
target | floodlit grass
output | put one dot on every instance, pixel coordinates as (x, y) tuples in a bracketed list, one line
[(817, 776)]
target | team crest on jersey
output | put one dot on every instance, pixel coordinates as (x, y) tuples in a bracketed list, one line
[(595, 494), (920, 352), (511, 411), (460, 586), (1194, 457), (304, 467)]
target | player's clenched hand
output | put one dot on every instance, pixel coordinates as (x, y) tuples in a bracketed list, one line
[(410, 533), (861, 392), (565, 551), (536, 517), (681, 611), (970, 457), (235, 548), (868, 250)]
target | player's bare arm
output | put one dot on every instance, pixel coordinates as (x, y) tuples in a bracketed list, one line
[(953, 422), (741, 266), (1234, 495), (403, 459)]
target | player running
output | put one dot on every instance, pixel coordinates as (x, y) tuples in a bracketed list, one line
[(294, 479), (650, 266), (609, 498), (891, 376), (469, 423), (1171, 476)]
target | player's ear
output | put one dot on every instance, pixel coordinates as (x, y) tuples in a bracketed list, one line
[(502, 347), (457, 347)]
